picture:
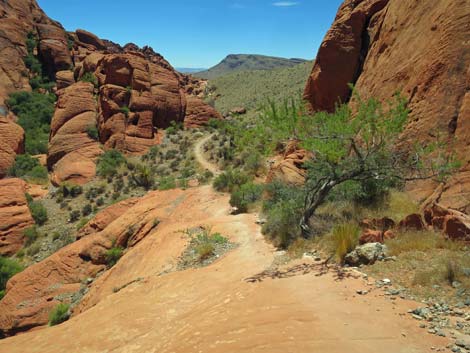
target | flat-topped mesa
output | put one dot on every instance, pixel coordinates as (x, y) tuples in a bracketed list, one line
[(419, 48)]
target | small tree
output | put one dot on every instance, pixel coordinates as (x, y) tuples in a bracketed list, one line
[(361, 148)]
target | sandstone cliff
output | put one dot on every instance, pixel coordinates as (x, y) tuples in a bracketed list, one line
[(420, 48)]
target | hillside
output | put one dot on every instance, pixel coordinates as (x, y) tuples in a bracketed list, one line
[(243, 62), (251, 88)]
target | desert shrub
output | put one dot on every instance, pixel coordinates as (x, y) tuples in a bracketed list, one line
[(92, 132), (82, 223), (283, 211), (167, 183), (113, 255), (29, 168), (125, 110), (204, 251), (252, 162), (8, 268), (345, 237), (230, 180), (59, 314), (33, 249), (171, 154), (143, 176), (74, 216), (87, 210), (31, 234), (38, 212), (205, 176), (174, 128), (245, 196), (100, 202), (118, 185), (34, 111), (109, 162), (89, 77)]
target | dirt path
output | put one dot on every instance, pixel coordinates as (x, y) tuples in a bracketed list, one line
[(199, 154), (214, 309)]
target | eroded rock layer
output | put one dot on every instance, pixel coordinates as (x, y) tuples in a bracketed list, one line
[(420, 48), (15, 216)]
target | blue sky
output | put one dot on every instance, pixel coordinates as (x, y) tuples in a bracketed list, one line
[(200, 33)]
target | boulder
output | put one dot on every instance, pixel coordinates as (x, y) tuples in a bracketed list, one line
[(15, 216), (64, 79), (412, 221), (237, 111), (366, 254), (89, 38), (419, 48), (457, 227), (382, 224), (72, 152), (375, 236), (11, 143), (53, 48), (290, 166)]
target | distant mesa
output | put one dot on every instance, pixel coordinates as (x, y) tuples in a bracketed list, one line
[(243, 62), (189, 70)]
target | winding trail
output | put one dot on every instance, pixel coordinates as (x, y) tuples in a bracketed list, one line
[(199, 154), (214, 309)]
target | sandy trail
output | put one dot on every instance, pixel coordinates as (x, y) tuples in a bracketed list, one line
[(199, 154), (213, 309)]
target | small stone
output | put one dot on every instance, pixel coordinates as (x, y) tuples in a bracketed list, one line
[(362, 292), (386, 281), (455, 349), (422, 326), (432, 331), (441, 333)]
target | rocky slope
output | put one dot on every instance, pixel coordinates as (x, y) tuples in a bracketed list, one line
[(138, 91), (420, 48)]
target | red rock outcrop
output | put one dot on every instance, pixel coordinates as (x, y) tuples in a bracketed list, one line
[(198, 113), (11, 143), (454, 224), (89, 38), (72, 152), (15, 216), (290, 166), (31, 294), (412, 221), (418, 47)]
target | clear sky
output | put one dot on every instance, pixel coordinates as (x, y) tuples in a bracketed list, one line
[(200, 33)]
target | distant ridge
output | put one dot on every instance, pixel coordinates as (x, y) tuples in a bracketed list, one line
[(190, 70), (243, 62)]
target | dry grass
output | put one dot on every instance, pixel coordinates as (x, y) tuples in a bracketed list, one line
[(397, 206), (345, 239), (426, 263), (299, 247)]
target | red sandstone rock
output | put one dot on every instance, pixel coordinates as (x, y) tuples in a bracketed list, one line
[(198, 113), (412, 221), (89, 38), (382, 224), (457, 227), (290, 167), (53, 48), (375, 236), (11, 143), (64, 79), (417, 47), (14, 215), (72, 153)]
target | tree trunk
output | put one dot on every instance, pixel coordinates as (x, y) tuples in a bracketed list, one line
[(316, 200)]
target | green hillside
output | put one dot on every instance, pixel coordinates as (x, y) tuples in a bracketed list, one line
[(251, 88), (243, 62)]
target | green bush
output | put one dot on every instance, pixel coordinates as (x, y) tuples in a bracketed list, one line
[(143, 176), (74, 216), (87, 210), (245, 196), (59, 314), (167, 183), (31, 234), (38, 211), (8, 268), (92, 132), (113, 255), (29, 168), (34, 111), (125, 110), (230, 180), (283, 211), (33, 249), (89, 77), (109, 162)]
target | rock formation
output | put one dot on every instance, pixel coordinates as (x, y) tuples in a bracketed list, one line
[(420, 48), (11, 143), (66, 275), (72, 152), (290, 166), (15, 216)]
